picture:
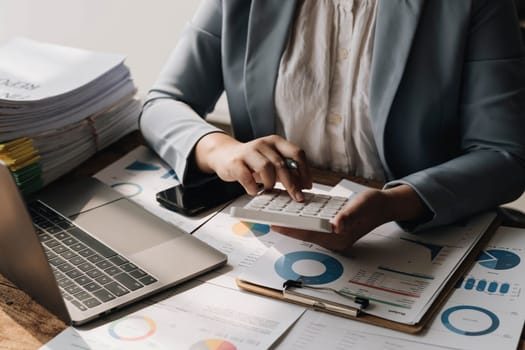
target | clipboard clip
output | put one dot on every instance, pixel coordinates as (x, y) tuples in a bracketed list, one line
[(287, 294)]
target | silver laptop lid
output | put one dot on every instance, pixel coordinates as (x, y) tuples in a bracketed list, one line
[(22, 258)]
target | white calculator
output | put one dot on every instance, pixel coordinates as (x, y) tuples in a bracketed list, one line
[(276, 207)]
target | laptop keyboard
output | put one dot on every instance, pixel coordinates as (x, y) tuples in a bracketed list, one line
[(88, 272)]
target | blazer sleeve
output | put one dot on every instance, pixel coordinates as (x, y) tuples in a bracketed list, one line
[(491, 167), (172, 120)]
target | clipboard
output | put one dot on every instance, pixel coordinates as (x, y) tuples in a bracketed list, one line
[(375, 320)]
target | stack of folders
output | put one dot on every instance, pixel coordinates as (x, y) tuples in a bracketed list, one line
[(58, 106)]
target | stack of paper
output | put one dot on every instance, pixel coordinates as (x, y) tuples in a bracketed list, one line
[(58, 106)]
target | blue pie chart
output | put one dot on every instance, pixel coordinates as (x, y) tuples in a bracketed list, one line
[(465, 320), (333, 269), (497, 259)]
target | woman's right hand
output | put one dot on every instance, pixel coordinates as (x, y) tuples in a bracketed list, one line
[(261, 161)]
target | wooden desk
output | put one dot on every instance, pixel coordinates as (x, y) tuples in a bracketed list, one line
[(24, 324)]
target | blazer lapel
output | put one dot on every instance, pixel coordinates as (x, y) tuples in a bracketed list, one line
[(268, 29), (396, 24)]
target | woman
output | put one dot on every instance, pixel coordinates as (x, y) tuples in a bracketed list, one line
[(428, 95)]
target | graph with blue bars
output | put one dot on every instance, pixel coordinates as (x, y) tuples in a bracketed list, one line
[(482, 285)]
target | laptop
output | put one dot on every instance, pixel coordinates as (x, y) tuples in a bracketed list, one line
[(81, 249)]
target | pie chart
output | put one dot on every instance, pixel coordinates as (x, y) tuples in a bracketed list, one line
[(498, 259), (132, 328), (213, 344), (128, 189), (308, 267), (470, 320), (245, 229)]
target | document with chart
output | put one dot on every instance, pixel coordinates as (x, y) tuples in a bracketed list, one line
[(243, 242), (139, 175), (401, 274), (199, 317), (485, 308)]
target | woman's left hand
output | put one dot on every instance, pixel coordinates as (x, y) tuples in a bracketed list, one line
[(366, 211)]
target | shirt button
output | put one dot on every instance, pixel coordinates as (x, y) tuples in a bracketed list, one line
[(335, 119), (343, 54)]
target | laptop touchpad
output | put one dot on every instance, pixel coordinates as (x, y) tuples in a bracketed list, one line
[(126, 227)]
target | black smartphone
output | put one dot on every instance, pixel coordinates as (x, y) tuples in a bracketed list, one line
[(193, 199)]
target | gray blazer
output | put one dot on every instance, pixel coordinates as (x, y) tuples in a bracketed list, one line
[(447, 93)]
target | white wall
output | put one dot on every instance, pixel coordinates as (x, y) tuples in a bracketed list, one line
[(145, 31)]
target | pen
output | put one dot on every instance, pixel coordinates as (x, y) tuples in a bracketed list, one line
[(290, 163), (289, 294)]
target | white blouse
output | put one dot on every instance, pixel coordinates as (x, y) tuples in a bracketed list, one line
[(321, 94)]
